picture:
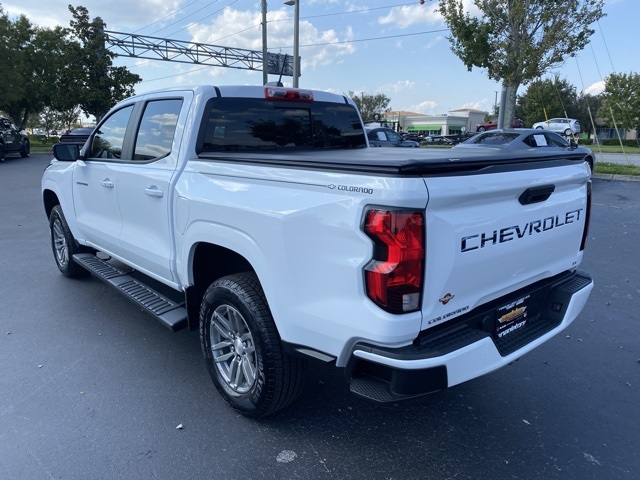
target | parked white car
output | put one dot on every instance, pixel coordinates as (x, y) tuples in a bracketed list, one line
[(565, 126)]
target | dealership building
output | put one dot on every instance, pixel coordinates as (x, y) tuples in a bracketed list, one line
[(454, 122)]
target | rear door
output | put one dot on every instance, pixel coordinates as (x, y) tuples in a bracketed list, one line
[(145, 186)]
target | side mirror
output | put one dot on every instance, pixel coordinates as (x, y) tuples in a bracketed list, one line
[(66, 152), (573, 145)]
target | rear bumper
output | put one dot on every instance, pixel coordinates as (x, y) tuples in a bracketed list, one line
[(470, 348)]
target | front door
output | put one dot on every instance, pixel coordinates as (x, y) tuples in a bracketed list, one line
[(95, 183)]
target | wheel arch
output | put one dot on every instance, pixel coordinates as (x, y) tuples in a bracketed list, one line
[(50, 200), (589, 159), (207, 263)]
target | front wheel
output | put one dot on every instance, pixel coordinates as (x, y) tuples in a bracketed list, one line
[(242, 348), (481, 129), (64, 246), (567, 132), (589, 161)]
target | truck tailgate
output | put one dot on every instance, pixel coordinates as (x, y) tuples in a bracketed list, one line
[(488, 235)]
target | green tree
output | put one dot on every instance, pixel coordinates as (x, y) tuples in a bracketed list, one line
[(587, 108), (621, 100), (548, 98), (31, 55), (99, 84), (10, 59), (517, 41), (369, 105)]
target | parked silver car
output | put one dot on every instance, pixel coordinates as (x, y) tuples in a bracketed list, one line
[(566, 126), (525, 138)]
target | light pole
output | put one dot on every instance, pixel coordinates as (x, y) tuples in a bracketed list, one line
[(296, 40), (265, 63)]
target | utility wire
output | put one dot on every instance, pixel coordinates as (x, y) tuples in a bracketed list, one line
[(164, 18), (367, 39), (320, 44), (203, 18), (288, 19), (606, 47), (182, 19)]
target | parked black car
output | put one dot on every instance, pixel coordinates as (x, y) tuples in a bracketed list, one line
[(12, 140), (413, 137), (530, 139), (385, 137), (78, 135)]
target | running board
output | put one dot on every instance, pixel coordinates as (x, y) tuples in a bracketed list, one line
[(171, 314)]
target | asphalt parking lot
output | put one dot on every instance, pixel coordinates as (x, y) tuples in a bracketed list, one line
[(93, 388)]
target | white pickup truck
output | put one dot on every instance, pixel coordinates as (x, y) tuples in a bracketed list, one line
[(259, 217)]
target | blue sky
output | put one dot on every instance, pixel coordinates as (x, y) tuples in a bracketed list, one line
[(374, 46)]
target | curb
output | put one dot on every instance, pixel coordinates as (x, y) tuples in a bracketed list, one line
[(609, 177)]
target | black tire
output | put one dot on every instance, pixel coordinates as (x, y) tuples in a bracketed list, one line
[(2, 152), (567, 132), (64, 246), (481, 129), (249, 368), (25, 149), (589, 161)]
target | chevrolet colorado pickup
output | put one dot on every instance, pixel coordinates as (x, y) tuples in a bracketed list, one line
[(260, 217)]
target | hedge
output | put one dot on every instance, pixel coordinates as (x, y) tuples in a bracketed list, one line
[(609, 141), (616, 142)]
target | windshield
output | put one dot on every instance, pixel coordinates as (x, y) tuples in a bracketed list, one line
[(497, 138)]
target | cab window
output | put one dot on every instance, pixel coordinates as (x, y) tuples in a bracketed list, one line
[(109, 137), (256, 124), (157, 128)]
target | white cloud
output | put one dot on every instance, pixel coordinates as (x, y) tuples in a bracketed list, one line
[(434, 42), (414, 15), (428, 107), (483, 104), (595, 89), (232, 28), (410, 15), (396, 87), (118, 14)]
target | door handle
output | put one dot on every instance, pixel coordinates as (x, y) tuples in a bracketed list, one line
[(154, 191), (536, 194), (107, 183)]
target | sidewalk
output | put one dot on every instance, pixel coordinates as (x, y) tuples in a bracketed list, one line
[(623, 178), (619, 158)]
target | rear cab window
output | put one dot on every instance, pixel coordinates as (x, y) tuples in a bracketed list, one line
[(232, 124), (154, 138)]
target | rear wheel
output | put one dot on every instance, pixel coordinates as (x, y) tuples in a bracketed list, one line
[(539, 127), (25, 149), (242, 348), (64, 246), (2, 152)]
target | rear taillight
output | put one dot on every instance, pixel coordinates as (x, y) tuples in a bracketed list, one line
[(291, 94), (587, 219), (394, 276)]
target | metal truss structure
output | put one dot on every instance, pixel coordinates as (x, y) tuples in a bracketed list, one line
[(155, 48)]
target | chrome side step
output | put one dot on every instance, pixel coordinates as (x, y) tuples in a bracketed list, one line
[(171, 314)]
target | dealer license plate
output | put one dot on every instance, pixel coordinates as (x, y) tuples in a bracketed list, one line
[(511, 317)]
